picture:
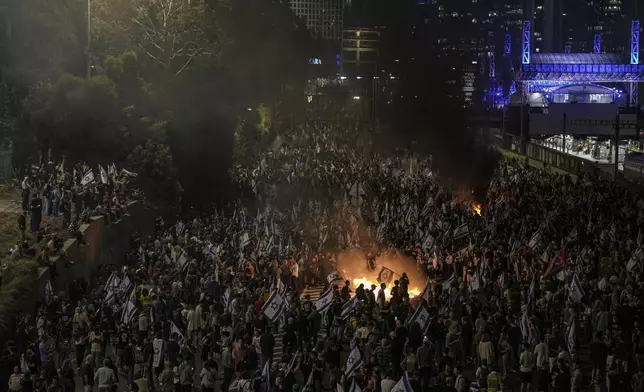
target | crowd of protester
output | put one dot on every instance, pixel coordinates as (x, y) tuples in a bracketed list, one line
[(537, 291), (69, 197)]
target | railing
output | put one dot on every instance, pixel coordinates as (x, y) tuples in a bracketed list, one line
[(554, 158)]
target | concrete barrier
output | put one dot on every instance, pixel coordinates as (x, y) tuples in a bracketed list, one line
[(106, 244)]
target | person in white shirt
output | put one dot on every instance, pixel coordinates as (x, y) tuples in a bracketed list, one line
[(207, 377), (387, 383), (526, 363), (541, 351)]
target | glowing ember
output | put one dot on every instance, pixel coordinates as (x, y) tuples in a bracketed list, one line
[(477, 208), (413, 291)]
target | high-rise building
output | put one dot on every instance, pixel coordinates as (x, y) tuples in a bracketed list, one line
[(324, 18), (570, 25), (360, 51)]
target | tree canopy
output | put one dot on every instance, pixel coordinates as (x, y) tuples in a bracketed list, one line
[(171, 80)]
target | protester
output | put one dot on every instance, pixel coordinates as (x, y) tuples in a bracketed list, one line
[(525, 283)]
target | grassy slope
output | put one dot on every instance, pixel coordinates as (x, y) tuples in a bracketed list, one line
[(18, 277)]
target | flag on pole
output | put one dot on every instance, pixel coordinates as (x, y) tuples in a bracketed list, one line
[(402, 385), (348, 307), (324, 302), (274, 306), (385, 275), (174, 329), (577, 292), (49, 292), (88, 177), (103, 174), (354, 387), (427, 291), (353, 362), (266, 374), (421, 316), (111, 171)]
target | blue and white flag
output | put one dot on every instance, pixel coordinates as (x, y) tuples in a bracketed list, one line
[(325, 301), (532, 295), (448, 283), (49, 292), (292, 363), (421, 316), (402, 385), (88, 178), (266, 373), (124, 286), (525, 326), (353, 362), (571, 336), (228, 298), (577, 292), (174, 329), (333, 277), (348, 307), (427, 291), (129, 312), (354, 387), (274, 306)]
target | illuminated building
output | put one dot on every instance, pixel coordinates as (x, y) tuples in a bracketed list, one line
[(322, 17)]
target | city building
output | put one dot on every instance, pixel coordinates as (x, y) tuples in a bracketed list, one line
[(324, 18), (361, 51)]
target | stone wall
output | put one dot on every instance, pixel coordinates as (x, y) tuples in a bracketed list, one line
[(107, 243)]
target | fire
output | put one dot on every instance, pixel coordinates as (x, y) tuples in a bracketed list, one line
[(477, 208), (413, 291)]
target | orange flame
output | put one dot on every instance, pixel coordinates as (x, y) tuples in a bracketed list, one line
[(477, 208), (413, 291)]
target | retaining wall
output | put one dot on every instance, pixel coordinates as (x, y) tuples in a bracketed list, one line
[(107, 243)]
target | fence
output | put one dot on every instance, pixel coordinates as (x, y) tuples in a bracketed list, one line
[(554, 158)]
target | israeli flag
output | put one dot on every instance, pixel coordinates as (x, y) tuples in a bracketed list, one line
[(124, 286), (571, 336), (174, 329), (49, 292), (103, 174), (228, 298), (427, 291), (421, 316), (325, 301), (461, 231), (266, 373), (333, 277), (577, 293), (448, 283), (129, 312), (274, 306), (354, 387), (348, 307), (525, 326), (88, 177), (292, 363), (402, 385), (182, 259), (353, 362)]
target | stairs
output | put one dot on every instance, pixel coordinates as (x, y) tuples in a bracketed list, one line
[(314, 292)]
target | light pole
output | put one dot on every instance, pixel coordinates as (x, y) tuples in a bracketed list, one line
[(88, 65)]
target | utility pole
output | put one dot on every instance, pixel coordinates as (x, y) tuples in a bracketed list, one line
[(88, 63)]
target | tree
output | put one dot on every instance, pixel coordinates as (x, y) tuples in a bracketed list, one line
[(154, 162), (173, 34), (77, 117)]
